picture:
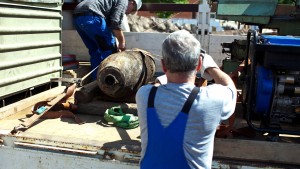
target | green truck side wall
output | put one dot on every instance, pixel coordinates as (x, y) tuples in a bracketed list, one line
[(247, 11), (30, 44)]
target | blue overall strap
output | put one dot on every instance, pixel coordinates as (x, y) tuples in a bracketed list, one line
[(151, 97), (165, 144), (188, 103)]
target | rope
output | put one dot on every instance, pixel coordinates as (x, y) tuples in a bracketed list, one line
[(120, 119)]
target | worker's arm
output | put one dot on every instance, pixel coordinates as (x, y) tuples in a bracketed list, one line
[(210, 71), (219, 76), (121, 39), (115, 19)]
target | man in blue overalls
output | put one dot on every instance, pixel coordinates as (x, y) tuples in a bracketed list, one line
[(178, 120), (98, 22)]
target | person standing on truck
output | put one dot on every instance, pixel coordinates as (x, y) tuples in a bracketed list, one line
[(98, 22), (178, 120)]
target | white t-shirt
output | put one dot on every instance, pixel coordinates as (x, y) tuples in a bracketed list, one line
[(213, 104)]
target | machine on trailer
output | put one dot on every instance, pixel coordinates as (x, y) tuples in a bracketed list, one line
[(273, 83), (270, 73)]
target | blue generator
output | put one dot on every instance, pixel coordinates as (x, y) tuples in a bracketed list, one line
[(272, 84)]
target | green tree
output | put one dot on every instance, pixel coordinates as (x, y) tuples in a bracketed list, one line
[(165, 14), (286, 1), (166, 1)]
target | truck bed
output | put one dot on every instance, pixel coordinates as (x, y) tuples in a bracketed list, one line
[(96, 138), (95, 133)]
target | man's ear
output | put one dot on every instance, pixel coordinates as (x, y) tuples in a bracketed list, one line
[(199, 66), (130, 7), (163, 66)]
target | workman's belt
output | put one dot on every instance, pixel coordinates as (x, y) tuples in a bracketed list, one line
[(84, 14)]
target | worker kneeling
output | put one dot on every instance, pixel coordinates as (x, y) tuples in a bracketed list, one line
[(178, 120)]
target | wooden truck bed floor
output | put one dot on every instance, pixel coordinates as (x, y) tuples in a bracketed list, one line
[(97, 135)]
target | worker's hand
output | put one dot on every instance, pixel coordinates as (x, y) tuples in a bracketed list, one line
[(122, 47), (208, 62)]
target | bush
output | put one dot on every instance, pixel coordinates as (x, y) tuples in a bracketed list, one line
[(164, 14)]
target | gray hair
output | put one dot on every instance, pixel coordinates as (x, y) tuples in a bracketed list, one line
[(181, 51)]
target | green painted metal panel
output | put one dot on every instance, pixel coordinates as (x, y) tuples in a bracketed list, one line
[(230, 65), (285, 27), (36, 3), (30, 44), (248, 11), (247, 7), (39, 1), (247, 19)]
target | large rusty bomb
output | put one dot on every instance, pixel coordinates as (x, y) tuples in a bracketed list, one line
[(121, 74)]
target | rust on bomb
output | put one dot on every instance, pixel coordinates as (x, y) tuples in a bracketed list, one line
[(121, 74)]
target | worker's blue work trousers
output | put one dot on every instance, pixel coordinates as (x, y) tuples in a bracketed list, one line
[(97, 37), (165, 145)]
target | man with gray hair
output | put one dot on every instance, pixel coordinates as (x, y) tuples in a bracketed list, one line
[(178, 120)]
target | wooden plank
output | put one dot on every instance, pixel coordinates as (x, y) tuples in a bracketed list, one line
[(35, 117), (87, 92), (260, 151), (30, 101), (98, 107), (93, 135)]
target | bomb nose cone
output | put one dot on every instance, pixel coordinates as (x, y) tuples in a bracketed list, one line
[(111, 81)]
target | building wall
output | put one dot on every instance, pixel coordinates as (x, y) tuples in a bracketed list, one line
[(151, 42)]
